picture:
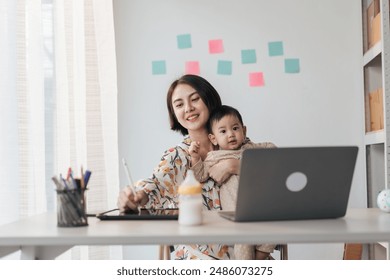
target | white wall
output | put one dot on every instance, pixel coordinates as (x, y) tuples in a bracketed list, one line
[(320, 105)]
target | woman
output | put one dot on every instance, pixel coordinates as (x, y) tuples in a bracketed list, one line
[(190, 100)]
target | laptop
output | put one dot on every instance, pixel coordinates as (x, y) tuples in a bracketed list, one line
[(294, 183)]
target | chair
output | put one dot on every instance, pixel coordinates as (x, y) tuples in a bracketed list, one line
[(353, 251), (283, 249), (165, 251)]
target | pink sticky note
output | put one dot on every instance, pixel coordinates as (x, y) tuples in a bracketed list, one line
[(216, 46), (192, 67), (256, 79)]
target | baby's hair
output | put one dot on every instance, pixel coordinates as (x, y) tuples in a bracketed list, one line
[(221, 112)]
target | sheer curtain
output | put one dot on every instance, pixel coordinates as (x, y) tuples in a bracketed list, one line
[(58, 106)]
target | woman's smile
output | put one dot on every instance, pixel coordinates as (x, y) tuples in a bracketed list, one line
[(193, 117)]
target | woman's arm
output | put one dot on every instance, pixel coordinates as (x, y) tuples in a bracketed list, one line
[(161, 187), (222, 170), (201, 171)]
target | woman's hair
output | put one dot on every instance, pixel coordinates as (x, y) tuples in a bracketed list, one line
[(221, 112), (206, 91)]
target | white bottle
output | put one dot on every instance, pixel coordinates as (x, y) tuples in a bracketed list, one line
[(190, 201)]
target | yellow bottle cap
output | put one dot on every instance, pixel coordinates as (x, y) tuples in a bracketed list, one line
[(190, 190), (190, 185)]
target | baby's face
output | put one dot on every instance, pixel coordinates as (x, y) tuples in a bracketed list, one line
[(228, 133)]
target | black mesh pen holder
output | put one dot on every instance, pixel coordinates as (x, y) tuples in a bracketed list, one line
[(71, 208)]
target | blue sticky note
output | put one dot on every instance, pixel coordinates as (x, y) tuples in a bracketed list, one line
[(275, 48), (184, 41), (224, 67), (291, 65), (159, 67), (248, 56)]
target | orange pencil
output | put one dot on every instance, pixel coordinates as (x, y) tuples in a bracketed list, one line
[(82, 178)]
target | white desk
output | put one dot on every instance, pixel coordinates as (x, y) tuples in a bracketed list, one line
[(39, 237)]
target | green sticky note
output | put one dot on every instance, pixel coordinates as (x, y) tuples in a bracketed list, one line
[(275, 48), (248, 56), (224, 67), (159, 67), (184, 41), (291, 65)]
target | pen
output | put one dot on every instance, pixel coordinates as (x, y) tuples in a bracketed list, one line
[(69, 172), (73, 180), (58, 184), (128, 175), (86, 177), (64, 182)]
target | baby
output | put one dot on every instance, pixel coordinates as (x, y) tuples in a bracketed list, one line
[(228, 134)]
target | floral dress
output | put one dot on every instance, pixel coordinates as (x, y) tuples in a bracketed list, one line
[(162, 189)]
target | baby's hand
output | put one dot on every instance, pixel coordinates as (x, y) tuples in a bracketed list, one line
[(194, 151)]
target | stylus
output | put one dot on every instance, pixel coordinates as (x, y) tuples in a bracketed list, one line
[(131, 184)]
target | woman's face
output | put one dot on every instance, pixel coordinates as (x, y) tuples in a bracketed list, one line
[(190, 110)]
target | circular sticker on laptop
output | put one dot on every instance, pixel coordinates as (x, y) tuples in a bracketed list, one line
[(296, 181)]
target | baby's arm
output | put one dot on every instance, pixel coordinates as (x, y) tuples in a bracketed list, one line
[(194, 152), (196, 162)]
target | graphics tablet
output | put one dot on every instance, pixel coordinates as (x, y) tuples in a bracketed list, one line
[(143, 214)]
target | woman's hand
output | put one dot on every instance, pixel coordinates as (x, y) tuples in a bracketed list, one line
[(127, 200), (222, 171)]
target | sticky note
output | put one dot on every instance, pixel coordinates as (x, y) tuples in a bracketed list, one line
[(224, 67), (192, 67), (256, 79), (159, 67), (248, 56), (291, 65), (184, 41), (275, 48), (215, 46)]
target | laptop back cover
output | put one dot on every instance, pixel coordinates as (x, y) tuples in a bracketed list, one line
[(295, 183)]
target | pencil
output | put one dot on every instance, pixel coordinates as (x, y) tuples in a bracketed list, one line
[(82, 178)]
